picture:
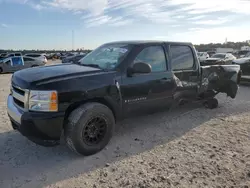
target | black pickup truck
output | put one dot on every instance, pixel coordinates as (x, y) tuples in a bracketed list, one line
[(82, 102)]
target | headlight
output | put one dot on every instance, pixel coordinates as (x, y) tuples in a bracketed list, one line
[(45, 101)]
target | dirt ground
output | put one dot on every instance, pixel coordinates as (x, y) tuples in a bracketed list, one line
[(187, 147)]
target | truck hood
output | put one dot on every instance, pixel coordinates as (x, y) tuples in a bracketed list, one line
[(242, 60), (29, 76)]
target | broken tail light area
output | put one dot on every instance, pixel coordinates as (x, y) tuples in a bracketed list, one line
[(221, 78)]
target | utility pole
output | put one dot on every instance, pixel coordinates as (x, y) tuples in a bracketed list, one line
[(73, 40)]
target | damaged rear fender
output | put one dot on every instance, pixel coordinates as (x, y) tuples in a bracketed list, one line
[(221, 79)]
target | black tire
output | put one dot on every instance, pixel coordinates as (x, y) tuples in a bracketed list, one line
[(78, 122), (211, 103), (1, 70)]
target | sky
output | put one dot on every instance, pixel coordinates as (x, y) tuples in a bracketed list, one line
[(67, 24)]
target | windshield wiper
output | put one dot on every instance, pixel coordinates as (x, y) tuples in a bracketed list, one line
[(91, 65)]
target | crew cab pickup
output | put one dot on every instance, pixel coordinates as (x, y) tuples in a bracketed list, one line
[(82, 102)]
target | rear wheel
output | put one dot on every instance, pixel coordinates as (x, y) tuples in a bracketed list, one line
[(89, 128), (1, 70)]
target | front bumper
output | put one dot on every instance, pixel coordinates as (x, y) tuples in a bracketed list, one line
[(43, 126)]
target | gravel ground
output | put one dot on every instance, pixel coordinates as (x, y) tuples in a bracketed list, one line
[(187, 147)]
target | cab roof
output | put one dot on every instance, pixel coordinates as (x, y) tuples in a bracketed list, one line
[(139, 42)]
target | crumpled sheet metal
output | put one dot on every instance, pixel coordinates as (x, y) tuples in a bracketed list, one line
[(220, 78)]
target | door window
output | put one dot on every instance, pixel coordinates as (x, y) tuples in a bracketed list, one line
[(28, 59), (182, 58), (155, 56), (17, 61)]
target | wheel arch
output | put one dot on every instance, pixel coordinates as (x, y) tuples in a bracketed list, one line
[(100, 100)]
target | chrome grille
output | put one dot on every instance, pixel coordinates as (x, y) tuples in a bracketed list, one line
[(20, 96)]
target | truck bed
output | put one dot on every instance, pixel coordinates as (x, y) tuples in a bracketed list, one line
[(221, 79)]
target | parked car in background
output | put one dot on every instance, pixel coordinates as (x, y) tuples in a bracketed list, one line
[(56, 56), (12, 64), (49, 55), (211, 53), (16, 54), (202, 56), (3, 55), (37, 56), (241, 53), (67, 55), (244, 64), (219, 59), (73, 59)]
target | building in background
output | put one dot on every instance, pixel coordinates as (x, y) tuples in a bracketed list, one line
[(245, 48)]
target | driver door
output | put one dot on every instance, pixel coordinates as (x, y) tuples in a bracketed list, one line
[(148, 92)]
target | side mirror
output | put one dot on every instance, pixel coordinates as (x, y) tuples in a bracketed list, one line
[(140, 68)]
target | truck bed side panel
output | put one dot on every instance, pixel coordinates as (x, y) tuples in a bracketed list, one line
[(220, 78)]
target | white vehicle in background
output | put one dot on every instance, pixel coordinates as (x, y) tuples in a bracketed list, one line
[(202, 56), (219, 59), (37, 56), (16, 63), (245, 59)]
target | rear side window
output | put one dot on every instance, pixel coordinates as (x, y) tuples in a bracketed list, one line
[(155, 56), (182, 58), (28, 59)]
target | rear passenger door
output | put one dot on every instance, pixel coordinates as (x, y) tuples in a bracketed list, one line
[(186, 70)]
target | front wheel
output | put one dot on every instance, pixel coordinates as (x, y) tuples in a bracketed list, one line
[(89, 128)]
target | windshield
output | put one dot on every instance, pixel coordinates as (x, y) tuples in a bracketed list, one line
[(107, 56), (199, 53), (219, 56)]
